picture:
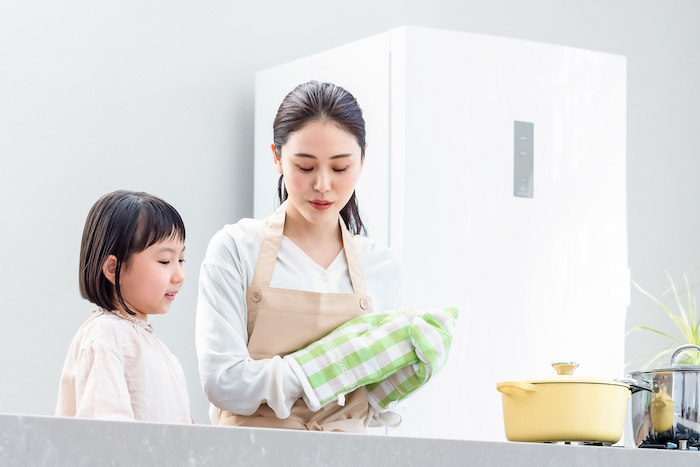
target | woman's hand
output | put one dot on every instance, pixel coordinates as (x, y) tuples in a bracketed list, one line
[(369, 349), (431, 335)]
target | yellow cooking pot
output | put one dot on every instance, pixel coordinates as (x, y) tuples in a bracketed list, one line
[(564, 408)]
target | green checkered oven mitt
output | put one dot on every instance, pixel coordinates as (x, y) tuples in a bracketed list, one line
[(431, 336), (365, 350)]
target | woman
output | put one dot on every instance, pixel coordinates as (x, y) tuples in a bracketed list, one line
[(269, 288)]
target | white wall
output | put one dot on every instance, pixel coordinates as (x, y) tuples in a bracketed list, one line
[(158, 96)]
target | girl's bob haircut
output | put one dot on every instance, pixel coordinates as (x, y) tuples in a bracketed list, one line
[(121, 223)]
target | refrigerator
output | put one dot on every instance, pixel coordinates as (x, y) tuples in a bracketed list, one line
[(495, 169)]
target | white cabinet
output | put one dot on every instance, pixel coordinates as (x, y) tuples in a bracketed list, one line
[(538, 279)]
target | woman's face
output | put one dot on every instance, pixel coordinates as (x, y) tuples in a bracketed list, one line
[(321, 164)]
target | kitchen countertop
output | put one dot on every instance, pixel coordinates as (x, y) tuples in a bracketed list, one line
[(38, 441)]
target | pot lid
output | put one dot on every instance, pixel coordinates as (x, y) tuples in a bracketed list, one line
[(668, 369), (565, 374), (674, 366)]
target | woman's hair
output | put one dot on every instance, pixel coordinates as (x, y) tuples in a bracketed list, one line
[(121, 223), (326, 102)]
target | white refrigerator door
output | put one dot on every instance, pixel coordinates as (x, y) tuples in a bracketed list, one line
[(538, 279)]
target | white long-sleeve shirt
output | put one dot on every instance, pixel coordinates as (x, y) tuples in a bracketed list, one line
[(231, 379), (117, 369)]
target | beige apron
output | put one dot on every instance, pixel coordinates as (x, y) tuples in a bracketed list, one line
[(281, 321)]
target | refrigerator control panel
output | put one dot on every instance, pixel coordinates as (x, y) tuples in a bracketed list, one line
[(523, 173)]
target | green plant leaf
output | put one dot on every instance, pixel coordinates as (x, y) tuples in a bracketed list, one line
[(693, 286), (689, 359), (645, 328), (678, 298), (659, 356), (687, 322), (679, 322), (649, 361), (697, 325), (693, 327)]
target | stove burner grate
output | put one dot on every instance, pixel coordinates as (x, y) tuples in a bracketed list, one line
[(681, 445)]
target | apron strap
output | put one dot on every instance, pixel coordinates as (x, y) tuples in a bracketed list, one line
[(271, 244), (270, 247), (354, 268)]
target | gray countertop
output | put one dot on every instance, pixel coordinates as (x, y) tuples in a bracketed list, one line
[(38, 441)]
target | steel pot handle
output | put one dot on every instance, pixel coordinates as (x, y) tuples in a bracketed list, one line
[(636, 385), (682, 349)]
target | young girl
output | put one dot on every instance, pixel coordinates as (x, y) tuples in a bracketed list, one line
[(131, 266)]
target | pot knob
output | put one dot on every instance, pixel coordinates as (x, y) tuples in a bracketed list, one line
[(565, 368)]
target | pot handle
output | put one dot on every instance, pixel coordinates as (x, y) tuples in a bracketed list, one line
[(512, 387), (636, 385), (682, 349)]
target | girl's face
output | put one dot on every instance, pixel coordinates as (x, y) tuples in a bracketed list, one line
[(321, 164), (151, 278)]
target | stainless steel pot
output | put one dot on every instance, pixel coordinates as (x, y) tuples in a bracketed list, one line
[(669, 413)]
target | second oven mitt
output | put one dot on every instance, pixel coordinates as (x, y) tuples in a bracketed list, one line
[(431, 334), (364, 350)]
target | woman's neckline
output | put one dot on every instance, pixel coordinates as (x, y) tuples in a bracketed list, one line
[(330, 266)]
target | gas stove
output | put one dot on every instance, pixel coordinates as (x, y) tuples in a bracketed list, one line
[(681, 445)]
